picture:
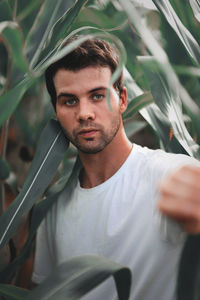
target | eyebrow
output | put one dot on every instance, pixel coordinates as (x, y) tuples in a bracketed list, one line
[(97, 89), (89, 92), (65, 95)]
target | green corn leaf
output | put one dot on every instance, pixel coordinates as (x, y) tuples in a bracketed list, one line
[(67, 168), (48, 14), (10, 31), (195, 5), (110, 19), (183, 33), (161, 59), (50, 26), (92, 32), (133, 126), (187, 70), (26, 13), (39, 212), (10, 100), (188, 281), (10, 292), (133, 90), (137, 103), (5, 11), (51, 149), (59, 52), (136, 20), (162, 127), (4, 169), (59, 30), (76, 277), (100, 16), (168, 100), (160, 56)]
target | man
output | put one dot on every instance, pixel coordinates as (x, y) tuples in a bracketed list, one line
[(112, 208)]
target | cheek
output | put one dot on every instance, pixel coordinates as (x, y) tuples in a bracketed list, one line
[(59, 116), (64, 118), (112, 107), (62, 113), (109, 117)]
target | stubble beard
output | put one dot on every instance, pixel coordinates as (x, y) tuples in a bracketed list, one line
[(89, 146)]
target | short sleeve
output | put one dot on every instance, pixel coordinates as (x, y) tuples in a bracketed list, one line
[(42, 263)]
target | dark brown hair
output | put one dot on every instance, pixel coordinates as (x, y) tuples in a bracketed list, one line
[(92, 52)]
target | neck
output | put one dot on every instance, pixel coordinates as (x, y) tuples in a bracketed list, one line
[(99, 167)]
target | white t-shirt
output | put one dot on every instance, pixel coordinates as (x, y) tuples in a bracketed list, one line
[(118, 219)]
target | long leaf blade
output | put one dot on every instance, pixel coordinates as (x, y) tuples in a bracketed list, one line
[(5, 11), (10, 100), (77, 276), (49, 20), (183, 33), (44, 21), (195, 4), (133, 126), (10, 292), (188, 281), (10, 31), (59, 30), (138, 103), (163, 129), (170, 105), (39, 212), (51, 148)]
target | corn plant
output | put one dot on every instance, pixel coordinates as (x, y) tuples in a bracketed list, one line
[(159, 45)]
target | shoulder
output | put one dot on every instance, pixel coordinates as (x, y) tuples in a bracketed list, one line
[(161, 163)]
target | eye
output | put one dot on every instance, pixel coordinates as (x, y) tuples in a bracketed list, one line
[(70, 102), (97, 97)]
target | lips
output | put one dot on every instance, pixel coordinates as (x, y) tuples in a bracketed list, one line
[(88, 132)]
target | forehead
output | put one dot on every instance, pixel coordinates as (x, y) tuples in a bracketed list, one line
[(85, 79)]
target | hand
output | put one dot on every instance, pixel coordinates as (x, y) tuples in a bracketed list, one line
[(180, 198)]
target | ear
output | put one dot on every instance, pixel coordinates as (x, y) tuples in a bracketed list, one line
[(123, 100)]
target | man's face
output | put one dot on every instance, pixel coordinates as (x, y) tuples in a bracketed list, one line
[(82, 108)]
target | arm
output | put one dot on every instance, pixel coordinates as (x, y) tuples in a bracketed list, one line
[(180, 198)]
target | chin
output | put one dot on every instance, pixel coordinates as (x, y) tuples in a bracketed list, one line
[(90, 150)]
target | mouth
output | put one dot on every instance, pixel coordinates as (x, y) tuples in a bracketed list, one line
[(88, 132)]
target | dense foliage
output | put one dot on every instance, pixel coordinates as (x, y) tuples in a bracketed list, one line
[(159, 44)]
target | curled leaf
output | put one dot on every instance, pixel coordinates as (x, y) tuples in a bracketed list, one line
[(75, 277)]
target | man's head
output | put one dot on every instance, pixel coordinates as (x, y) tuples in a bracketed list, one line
[(78, 84), (92, 52)]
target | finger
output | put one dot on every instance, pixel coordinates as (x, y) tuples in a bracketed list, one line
[(179, 193), (185, 175)]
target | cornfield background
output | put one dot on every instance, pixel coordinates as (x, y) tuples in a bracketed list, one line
[(159, 44)]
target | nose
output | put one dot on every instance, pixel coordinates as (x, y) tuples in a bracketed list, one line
[(85, 111)]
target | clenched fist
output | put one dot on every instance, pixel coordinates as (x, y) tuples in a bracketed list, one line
[(180, 198)]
